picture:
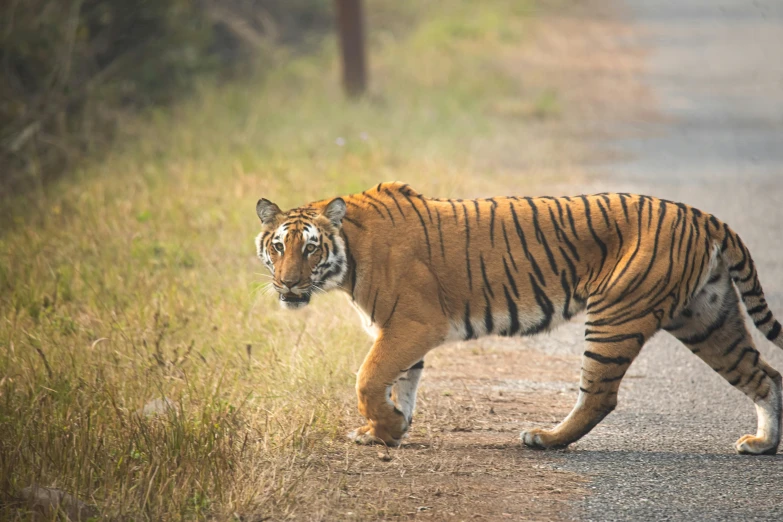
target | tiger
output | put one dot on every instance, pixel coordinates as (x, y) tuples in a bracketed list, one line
[(425, 271)]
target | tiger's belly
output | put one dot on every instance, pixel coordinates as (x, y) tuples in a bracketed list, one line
[(517, 319)]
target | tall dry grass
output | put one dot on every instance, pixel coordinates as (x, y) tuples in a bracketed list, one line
[(134, 279)]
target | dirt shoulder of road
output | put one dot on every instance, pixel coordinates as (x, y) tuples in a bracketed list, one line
[(463, 459)]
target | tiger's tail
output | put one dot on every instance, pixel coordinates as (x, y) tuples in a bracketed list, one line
[(743, 272)]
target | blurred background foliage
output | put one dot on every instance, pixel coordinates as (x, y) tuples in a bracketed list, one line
[(72, 68), (133, 275)]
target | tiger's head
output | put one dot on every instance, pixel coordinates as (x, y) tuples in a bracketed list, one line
[(302, 248)]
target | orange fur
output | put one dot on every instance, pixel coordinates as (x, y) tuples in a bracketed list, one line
[(424, 271)]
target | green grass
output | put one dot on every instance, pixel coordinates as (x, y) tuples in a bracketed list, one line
[(135, 278)]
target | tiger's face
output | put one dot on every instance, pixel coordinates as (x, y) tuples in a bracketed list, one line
[(303, 249)]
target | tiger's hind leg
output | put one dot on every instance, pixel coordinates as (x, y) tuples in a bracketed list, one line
[(713, 327), (610, 351)]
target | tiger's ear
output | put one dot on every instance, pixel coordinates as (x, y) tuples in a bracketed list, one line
[(335, 211), (267, 211)]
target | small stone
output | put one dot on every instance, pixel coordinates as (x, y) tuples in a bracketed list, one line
[(384, 456), (48, 502)]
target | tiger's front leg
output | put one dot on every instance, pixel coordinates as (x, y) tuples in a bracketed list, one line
[(395, 352)]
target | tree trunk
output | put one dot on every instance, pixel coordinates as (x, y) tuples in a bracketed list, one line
[(350, 25)]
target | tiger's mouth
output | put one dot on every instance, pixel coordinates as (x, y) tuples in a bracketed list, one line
[(294, 301)]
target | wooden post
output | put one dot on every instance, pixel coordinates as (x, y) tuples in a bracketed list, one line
[(350, 25)]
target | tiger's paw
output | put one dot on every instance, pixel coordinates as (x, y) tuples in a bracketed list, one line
[(538, 438), (752, 445), (368, 435)]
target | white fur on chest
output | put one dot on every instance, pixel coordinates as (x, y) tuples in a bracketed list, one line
[(369, 327)]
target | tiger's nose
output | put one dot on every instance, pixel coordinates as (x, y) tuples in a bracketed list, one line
[(291, 282)]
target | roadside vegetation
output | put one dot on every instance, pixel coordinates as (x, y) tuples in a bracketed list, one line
[(133, 277)]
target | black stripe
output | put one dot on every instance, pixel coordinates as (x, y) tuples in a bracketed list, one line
[(440, 234), (752, 376), (512, 313), (353, 203), (541, 237), (487, 285), (603, 211), (351, 262), (354, 223), (773, 334), (510, 279), (618, 338), (649, 212), (571, 220), (620, 238), (571, 268), (426, 206), (760, 376), (567, 292), (751, 275), (745, 351), (423, 226), (739, 266), (467, 247), (389, 193), (488, 323), (764, 320), (732, 346), (600, 243), (391, 314), (375, 207), (505, 236), (523, 242), (469, 333), (374, 302), (753, 292), (606, 360), (561, 235), (388, 210), (725, 243), (454, 210), (560, 212), (508, 247), (492, 222), (545, 304)]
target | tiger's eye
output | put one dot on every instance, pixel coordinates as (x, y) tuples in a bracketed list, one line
[(278, 247), (310, 248)]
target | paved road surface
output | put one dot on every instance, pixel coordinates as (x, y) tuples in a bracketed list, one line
[(666, 453)]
